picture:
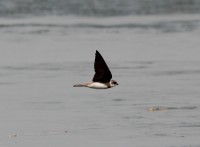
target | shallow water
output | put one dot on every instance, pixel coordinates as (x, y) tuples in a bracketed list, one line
[(41, 59)]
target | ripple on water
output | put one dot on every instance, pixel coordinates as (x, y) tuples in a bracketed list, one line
[(160, 108)]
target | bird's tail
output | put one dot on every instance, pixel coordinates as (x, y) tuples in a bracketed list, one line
[(79, 85)]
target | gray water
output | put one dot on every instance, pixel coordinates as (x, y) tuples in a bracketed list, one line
[(154, 58)]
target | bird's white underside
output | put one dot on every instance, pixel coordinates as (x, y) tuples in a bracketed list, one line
[(97, 85)]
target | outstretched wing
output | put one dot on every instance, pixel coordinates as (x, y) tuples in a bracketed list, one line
[(102, 72)]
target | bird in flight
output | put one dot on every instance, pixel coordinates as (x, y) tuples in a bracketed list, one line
[(102, 77)]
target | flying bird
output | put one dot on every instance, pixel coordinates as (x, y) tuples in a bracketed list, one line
[(102, 77)]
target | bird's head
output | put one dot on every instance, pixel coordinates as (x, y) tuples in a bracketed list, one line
[(113, 83)]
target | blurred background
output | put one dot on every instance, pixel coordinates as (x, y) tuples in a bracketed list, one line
[(98, 8), (156, 15)]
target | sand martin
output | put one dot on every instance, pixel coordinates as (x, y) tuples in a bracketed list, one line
[(102, 77)]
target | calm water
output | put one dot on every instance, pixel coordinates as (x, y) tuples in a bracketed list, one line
[(154, 58)]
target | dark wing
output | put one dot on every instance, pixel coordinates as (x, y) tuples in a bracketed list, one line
[(102, 72)]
